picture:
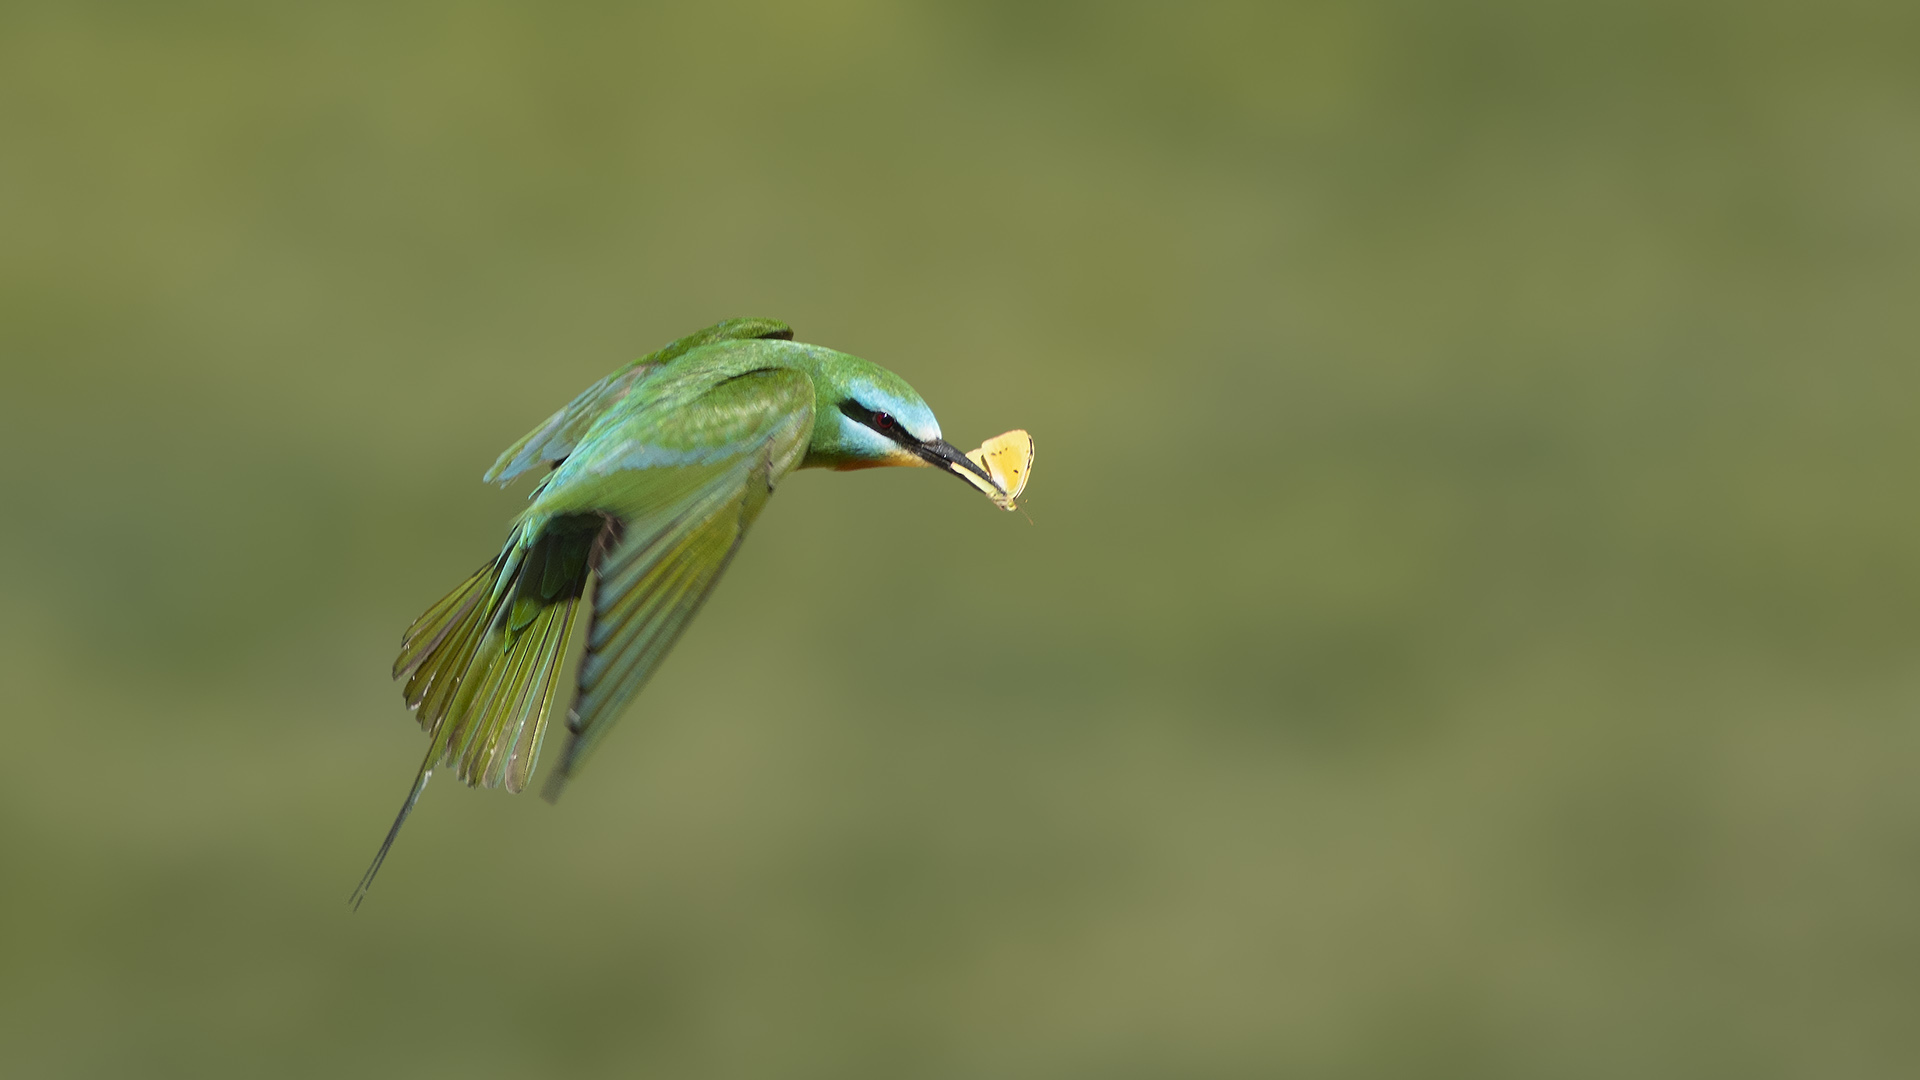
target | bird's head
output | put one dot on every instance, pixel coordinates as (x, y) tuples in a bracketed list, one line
[(866, 417)]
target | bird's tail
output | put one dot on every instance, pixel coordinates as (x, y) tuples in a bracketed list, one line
[(482, 665)]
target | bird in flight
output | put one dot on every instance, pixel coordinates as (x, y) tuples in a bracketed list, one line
[(656, 471)]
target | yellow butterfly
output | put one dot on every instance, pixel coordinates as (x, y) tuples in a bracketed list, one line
[(1008, 458)]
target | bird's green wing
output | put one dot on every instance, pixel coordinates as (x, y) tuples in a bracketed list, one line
[(556, 438), (692, 477)]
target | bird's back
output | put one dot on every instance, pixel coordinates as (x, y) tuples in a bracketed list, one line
[(560, 433)]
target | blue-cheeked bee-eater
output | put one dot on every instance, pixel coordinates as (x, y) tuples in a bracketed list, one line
[(656, 471)]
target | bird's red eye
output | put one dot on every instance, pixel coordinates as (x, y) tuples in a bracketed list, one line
[(882, 420)]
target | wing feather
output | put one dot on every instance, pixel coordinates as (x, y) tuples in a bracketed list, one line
[(530, 728), (657, 511), (442, 619), (674, 550)]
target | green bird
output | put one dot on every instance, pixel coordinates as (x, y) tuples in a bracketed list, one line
[(657, 470)]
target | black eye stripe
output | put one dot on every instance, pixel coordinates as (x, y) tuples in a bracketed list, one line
[(878, 421)]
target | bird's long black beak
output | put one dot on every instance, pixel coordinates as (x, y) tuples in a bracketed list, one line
[(942, 455)]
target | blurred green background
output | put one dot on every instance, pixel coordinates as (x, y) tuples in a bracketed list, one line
[(1468, 625)]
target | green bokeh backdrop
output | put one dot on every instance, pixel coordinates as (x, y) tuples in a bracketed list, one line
[(1469, 624)]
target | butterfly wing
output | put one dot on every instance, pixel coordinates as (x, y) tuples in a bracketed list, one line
[(1008, 458)]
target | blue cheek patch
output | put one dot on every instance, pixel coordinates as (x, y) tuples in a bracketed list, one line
[(865, 442)]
